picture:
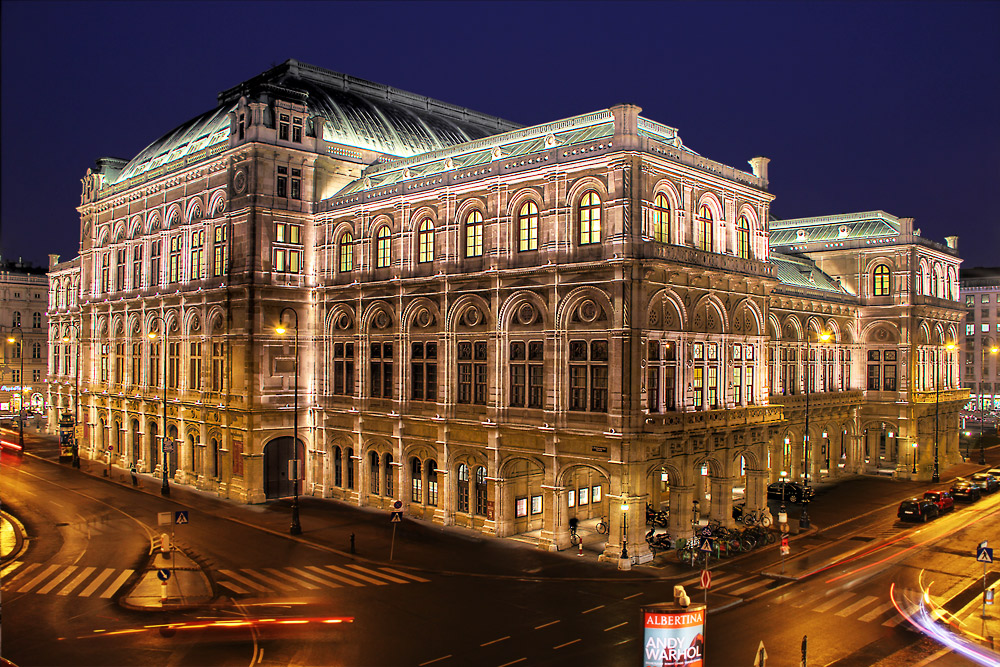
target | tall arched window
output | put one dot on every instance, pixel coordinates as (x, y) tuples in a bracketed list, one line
[(480, 491), (416, 480), (338, 467), (743, 237), (660, 219), (463, 488), (589, 214), (373, 461), (425, 242), (705, 228), (432, 482), (527, 227), (383, 254), (346, 251), (390, 488), (474, 234), (880, 280)]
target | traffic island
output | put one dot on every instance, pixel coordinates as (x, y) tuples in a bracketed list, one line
[(169, 581)]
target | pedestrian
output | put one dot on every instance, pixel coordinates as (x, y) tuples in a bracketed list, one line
[(135, 478)]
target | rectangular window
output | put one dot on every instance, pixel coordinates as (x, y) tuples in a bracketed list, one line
[(137, 267), (154, 365), (536, 504), (984, 298), (738, 385), (242, 124), (173, 364), (472, 372), (154, 263), (381, 370), (889, 377), (174, 268), (281, 187), (283, 124), (526, 374), (698, 386), (119, 363), (874, 377), (749, 385), (197, 254), (296, 184), (479, 373), (220, 251), (520, 507), (218, 367), (713, 387), (297, 130), (105, 355), (194, 366), (343, 369), (287, 260), (120, 272), (588, 364), (423, 366), (106, 272)]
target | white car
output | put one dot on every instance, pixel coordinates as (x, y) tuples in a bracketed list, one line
[(994, 471)]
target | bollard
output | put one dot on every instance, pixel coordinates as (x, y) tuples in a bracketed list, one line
[(163, 592), (580, 552), (352, 543)]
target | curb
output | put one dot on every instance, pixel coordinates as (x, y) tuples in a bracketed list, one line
[(21, 540)]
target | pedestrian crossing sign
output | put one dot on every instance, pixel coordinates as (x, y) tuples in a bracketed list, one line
[(984, 555), (396, 517), (706, 544), (180, 517)]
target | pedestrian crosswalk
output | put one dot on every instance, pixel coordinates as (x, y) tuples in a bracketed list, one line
[(272, 580), (844, 604), (67, 580)]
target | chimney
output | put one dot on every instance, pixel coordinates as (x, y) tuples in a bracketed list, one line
[(906, 225), (759, 167), (626, 119), (952, 242)]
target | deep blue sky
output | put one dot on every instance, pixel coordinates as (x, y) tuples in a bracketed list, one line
[(892, 106)]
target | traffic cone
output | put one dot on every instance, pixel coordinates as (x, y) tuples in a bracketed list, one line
[(580, 549)]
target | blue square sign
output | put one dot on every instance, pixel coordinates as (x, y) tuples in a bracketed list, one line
[(180, 517)]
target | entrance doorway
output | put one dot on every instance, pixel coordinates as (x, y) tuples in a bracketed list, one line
[(277, 454)]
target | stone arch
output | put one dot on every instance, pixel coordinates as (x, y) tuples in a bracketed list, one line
[(192, 322), (676, 474), (519, 198), (152, 222), (923, 333), (419, 215), (414, 311), (172, 216), (568, 304), (881, 331), (711, 200), (704, 325), (667, 188), (773, 327), (673, 316), (742, 325), (468, 205), (370, 318), (216, 319), (457, 311), (135, 227), (340, 317), (510, 306), (134, 325), (277, 453), (792, 327), (194, 210), (102, 236), (565, 469), (217, 203), (118, 325), (583, 185), (119, 233)]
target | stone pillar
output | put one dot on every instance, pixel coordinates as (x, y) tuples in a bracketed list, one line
[(555, 519), (756, 489), (681, 514), (504, 509), (722, 499)]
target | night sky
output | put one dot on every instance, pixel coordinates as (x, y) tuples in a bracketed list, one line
[(892, 106)]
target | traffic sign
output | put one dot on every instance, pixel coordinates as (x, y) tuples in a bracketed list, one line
[(163, 519), (706, 544), (398, 506), (396, 517), (706, 579), (181, 517), (785, 549), (163, 574), (784, 527), (984, 555), (761, 659), (168, 445), (706, 532)]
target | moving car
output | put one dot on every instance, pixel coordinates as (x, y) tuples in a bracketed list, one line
[(942, 499), (965, 490), (986, 482), (917, 509), (793, 492), (994, 471)]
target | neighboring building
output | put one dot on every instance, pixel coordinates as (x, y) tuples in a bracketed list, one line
[(504, 327), (23, 293), (981, 296)]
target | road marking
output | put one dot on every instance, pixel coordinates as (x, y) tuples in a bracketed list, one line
[(97, 581), (37, 580), (239, 590), (876, 612), (269, 581), (110, 590), (857, 606), (539, 627), (616, 626), (56, 579), (634, 595), (431, 662), (894, 621), (297, 582), (86, 572), (13, 566), (496, 641), (750, 587), (395, 580), (565, 645), (513, 662), (331, 575), (404, 574), (830, 604), (377, 582), (248, 582), (319, 580), (600, 606)]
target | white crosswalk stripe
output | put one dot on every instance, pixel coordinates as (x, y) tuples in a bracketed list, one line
[(269, 580), (743, 590), (833, 602), (876, 612), (67, 580), (857, 606)]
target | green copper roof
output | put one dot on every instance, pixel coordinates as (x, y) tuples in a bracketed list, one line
[(800, 272), (849, 226)]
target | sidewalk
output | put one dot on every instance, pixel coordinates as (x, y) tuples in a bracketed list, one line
[(186, 585)]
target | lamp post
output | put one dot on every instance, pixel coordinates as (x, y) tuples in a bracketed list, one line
[(20, 388), (804, 517), (165, 485), (624, 555), (913, 458), (295, 528), (76, 395), (936, 477), (982, 424)]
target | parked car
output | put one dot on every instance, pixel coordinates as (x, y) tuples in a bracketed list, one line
[(966, 490), (986, 482), (917, 509), (793, 492), (994, 471), (942, 499)]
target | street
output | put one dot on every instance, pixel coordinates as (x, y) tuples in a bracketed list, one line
[(450, 598)]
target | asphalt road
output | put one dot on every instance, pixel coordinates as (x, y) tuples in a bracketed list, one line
[(452, 600)]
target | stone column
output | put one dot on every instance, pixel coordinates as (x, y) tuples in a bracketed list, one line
[(722, 499), (756, 489), (555, 519), (680, 511)]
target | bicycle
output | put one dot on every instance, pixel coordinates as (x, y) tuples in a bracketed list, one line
[(602, 526), (574, 537), (756, 517)]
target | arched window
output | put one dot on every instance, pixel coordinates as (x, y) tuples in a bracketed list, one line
[(463, 488), (589, 214), (373, 461), (416, 480), (880, 280), (425, 242), (432, 482), (349, 461), (383, 254), (390, 488), (346, 250), (481, 504), (474, 234), (660, 219), (705, 228), (213, 457), (743, 238), (338, 467), (527, 227), (920, 280)]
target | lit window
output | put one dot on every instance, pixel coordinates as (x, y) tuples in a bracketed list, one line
[(588, 375), (463, 489), (474, 234), (197, 254), (880, 280), (590, 219), (383, 255), (743, 237), (527, 226), (660, 219), (705, 228), (220, 247), (346, 250), (120, 269), (174, 268), (425, 241)]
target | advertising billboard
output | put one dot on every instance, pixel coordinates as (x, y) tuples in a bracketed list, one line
[(673, 636)]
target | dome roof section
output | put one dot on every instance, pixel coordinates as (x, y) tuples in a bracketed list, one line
[(351, 111)]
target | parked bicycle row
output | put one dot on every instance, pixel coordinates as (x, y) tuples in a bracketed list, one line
[(722, 542)]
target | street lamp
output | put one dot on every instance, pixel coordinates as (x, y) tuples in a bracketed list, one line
[(20, 389), (982, 424), (913, 458), (295, 528), (936, 477), (823, 336), (165, 485), (624, 531), (76, 396)]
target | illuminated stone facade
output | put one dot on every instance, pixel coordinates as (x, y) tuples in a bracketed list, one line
[(503, 327), (23, 293)]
